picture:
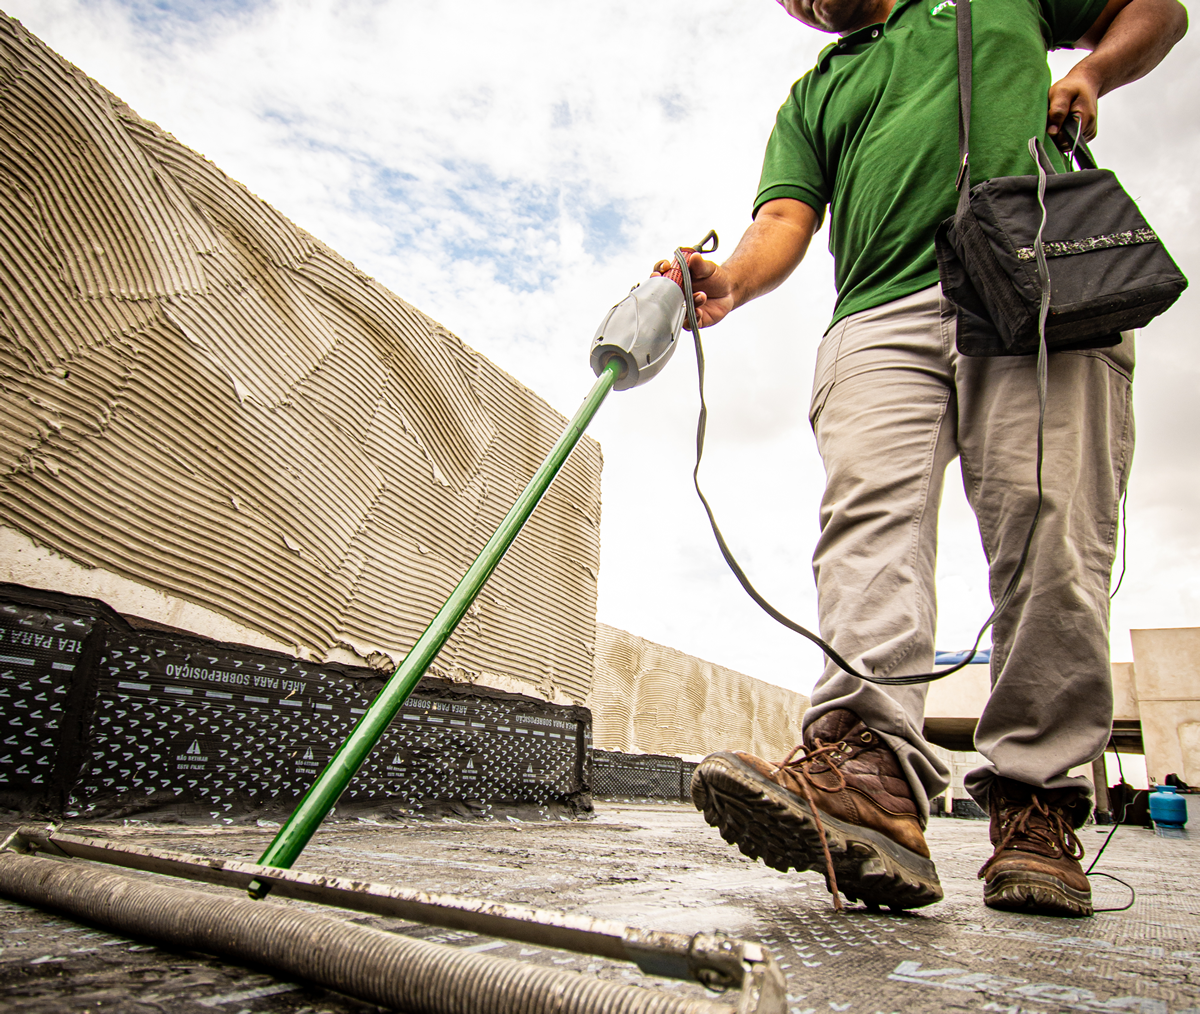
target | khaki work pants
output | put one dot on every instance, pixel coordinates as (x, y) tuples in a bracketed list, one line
[(893, 404)]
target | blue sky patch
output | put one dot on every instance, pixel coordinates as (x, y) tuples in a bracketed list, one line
[(461, 213), (502, 225), (166, 16), (674, 106)]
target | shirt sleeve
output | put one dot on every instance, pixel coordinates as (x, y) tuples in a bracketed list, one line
[(1070, 19), (791, 165)]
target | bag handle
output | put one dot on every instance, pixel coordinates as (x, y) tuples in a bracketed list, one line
[(1037, 151), (1073, 128)]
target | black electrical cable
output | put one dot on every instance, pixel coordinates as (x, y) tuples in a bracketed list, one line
[(1132, 893), (1116, 823), (1124, 543), (770, 610)]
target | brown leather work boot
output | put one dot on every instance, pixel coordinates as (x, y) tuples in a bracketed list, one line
[(839, 804), (1035, 868)]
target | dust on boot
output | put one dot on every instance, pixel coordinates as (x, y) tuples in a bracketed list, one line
[(838, 804), (1035, 867)]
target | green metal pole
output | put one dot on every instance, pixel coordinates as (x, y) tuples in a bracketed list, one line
[(344, 764)]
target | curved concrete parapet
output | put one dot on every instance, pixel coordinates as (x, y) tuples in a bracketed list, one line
[(648, 698)]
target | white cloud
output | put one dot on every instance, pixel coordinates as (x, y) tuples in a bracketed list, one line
[(513, 168)]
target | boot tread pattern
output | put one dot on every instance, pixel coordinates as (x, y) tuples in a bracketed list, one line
[(766, 822), (1035, 894)]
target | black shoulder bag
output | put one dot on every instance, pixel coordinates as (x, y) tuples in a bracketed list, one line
[(1110, 272)]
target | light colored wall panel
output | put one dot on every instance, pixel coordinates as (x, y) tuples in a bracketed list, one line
[(1125, 702), (1166, 665), (964, 694), (648, 698), (961, 695)]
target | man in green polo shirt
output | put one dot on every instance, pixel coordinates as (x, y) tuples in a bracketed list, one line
[(871, 132)]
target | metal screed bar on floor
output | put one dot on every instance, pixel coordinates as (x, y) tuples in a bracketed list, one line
[(41, 866)]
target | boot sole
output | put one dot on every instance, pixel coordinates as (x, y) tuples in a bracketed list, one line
[(767, 822), (1036, 894)]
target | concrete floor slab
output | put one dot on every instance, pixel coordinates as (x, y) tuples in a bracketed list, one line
[(661, 866)]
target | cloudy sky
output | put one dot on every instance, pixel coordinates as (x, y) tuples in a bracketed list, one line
[(512, 168)]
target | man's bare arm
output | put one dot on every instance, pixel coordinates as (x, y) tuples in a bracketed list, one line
[(1128, 40), (767, 253)]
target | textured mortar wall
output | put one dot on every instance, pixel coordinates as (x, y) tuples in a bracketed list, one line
[(202, 399), (648, 698)]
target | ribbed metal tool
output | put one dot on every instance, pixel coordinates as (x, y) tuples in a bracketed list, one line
[(713, 959)]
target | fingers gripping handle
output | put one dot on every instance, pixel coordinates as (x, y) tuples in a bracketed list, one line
[(643, 329), (684, 279)]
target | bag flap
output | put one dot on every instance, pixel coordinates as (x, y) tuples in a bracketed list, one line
[(1086, 211)]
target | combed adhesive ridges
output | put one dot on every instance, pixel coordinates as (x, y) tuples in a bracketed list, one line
[(205, 400)]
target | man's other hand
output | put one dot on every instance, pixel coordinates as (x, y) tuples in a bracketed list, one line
[(1077, 94), (1128, 40)]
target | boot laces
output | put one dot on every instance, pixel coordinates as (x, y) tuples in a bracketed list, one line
[(799, 767), (1042, 823)]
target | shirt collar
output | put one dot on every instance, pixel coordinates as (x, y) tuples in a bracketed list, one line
[(864, 36)]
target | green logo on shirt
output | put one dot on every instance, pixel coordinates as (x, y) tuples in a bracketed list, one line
[(943, 6)]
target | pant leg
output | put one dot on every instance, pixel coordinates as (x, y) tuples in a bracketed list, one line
[(1051, 702), (884, 415)]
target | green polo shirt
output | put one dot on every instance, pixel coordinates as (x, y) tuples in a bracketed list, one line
[(872, 131)]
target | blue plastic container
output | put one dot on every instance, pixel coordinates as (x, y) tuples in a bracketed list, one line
[(1167, 808)]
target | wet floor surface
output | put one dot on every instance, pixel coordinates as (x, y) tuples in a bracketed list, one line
[(660, 866)]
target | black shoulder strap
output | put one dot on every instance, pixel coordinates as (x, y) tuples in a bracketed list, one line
[(962, 20), (1078, 150)]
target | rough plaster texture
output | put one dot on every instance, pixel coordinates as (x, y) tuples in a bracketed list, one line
[(202, 401), (647, 698), (1166, 665)]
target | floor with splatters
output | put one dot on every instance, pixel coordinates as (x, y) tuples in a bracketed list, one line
[(660, 866)]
